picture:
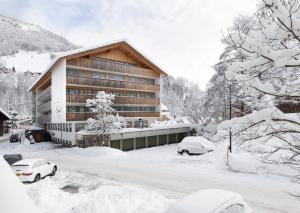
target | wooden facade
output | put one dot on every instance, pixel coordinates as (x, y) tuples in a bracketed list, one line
[(115, 68)]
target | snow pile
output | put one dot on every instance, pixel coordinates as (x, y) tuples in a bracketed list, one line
[(94, 194), (13, 192), (246, 162)]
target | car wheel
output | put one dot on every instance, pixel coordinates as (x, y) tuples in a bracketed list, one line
[(186, 152), (54, 171), (37, 178)]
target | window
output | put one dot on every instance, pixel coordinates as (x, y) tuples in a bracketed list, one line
[(134, 79), (74, 72), (71, 109), (150, 95), (116, 77), (132, 109), (132, 94), (97, 75), (149, 81), (117, 93), (72, 91)]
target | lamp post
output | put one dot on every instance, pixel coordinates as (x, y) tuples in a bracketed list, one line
[(230, 116)]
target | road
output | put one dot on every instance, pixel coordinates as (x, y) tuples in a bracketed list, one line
[(178, 178)]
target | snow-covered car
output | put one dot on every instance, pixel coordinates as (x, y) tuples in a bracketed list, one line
[(195, 145), (15, 137), (32, 170), (12, 158), (211, 201)]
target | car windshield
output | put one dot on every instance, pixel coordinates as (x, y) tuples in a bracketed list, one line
[(11, 160)]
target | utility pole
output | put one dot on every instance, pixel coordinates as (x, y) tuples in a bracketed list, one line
[(230, 116)]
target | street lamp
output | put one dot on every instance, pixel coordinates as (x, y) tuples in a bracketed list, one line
[(230, 115)]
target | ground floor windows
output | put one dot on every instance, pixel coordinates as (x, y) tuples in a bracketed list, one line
[(77, 109)]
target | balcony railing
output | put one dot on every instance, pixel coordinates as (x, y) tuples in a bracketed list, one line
[(118, 99), (112, 66), (44, 95), (111, 83), (45, 107), (83, 116)]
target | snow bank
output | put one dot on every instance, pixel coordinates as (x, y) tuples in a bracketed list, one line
[(250, 163), (13, 196), (95, 194)]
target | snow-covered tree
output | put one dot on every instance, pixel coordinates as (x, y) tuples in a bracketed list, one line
[(267, 72), (12, 123), (14, 90), (183, 99), (105, 121)]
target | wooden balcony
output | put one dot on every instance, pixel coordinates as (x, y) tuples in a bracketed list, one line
[(112, 67), (118, 100), (139, 114), (111, 84), (83, 116), (136, 100)]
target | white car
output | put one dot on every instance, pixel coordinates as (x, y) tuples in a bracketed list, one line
[(32, 170), (211, 201), (195, 145)]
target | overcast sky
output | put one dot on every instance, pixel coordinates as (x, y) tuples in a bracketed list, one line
[(180, 36)]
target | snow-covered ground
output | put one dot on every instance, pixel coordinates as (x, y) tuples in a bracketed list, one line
[(146, 180), (27, 61)]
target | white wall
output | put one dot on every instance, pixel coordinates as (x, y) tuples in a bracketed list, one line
[(58, 90)]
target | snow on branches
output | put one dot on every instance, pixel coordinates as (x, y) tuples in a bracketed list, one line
[(270, 49), (262, 56), (105, 122)]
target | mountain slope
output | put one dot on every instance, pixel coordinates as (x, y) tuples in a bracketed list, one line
[(16, 35)]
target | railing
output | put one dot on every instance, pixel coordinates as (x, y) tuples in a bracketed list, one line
[(139, 114), (45, 107), (111, 83), (118, 99), (136, 100), (112, 66), (83, 116), (44, 95)]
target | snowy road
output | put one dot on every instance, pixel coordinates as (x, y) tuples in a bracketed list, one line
[(162, 170)]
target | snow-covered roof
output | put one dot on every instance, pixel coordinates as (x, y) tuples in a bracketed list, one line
[(5, 114), (87, 50)]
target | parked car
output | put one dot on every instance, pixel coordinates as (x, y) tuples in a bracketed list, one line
[(12, 158), (195, 145), (15, 137), (211, 201), (32, 170)]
